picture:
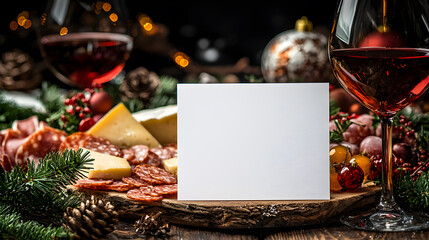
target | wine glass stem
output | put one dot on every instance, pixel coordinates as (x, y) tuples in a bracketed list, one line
[(387, 202)]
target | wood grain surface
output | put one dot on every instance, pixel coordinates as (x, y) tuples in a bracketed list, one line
[(243, 214), (125, 230)]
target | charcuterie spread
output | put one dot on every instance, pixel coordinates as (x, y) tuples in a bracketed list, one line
[(127, 158)]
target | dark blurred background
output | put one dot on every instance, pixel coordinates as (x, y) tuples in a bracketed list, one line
[(232, 31)]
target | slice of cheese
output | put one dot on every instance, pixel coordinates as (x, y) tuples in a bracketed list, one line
[(160, 122), (119, 127), (107, 166), (170, 165)]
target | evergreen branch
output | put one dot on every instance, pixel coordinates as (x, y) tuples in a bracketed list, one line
[(40, 190), (336, 135), (334, 108), (51, 97), (12, 227), (166, 93), (413, 194)]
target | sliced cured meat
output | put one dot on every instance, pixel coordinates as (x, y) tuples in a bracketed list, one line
[(128, 154), (13, 139), (93, 183), (38, 144), (141, 195), (118, 186), (162, 175), (166, 189), (153, 159), (85, 140), (74, 141), (26, 126), (101, 145), (154, 175), (135, 181), (141, 153), (163, 153), (143, 172)]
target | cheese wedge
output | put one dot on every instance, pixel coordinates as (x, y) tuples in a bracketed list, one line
[(107, 166), (119, 127), (170, 165), (160, 122)]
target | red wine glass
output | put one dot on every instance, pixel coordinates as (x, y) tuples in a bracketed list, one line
[(84, 41), (379, 52)]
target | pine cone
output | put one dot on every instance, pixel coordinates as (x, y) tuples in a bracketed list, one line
[(93, 219), (18, 71), (140, 84), (152, 224)]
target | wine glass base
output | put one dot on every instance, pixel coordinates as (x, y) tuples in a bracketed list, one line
[(395, 221)]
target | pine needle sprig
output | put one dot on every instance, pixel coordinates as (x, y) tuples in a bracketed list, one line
[(13, 227), (40, 190), (411, 194)]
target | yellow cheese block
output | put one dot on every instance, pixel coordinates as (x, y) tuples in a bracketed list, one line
[(107, 166), (119, 127), (160, 122), (170, 165)]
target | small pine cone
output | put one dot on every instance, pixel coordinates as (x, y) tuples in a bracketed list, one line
[(141, 84), (93, 219), (18, 71), (152, 224)]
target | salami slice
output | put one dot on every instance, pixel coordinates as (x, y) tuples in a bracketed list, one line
[(85, 140), (74, 141), (128, 154), (26, 126), (13, 139), (118, 186), (135, 181), (101, 145), (140, 195), (166, 189), (153, 159), (143, 172), (162, 175), (137, 154), (90, 183), (154, 175), (38, 144), (163, 153)]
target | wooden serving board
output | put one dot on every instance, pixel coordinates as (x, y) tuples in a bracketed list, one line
[(243, 214)]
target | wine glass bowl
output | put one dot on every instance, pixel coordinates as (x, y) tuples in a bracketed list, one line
[(85, 42), (379, 52)]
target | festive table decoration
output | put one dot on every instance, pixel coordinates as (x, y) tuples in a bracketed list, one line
[(18, 71), (36, 197), (141, 84), (93, 219), (152, 224), (298, 55)]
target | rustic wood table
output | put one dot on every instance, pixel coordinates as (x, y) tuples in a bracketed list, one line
[(126, 230)]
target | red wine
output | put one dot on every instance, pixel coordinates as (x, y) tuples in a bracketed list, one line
[(84, 58), (385, 80)]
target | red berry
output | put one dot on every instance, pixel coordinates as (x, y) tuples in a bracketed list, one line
[(85, 101), (70, 111), (86, 110), (78, 108), (351, 176), (63, 118), (80, 96), (82, 115), (86, 124)]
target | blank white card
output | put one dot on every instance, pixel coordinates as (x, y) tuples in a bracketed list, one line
[(253, 141)]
